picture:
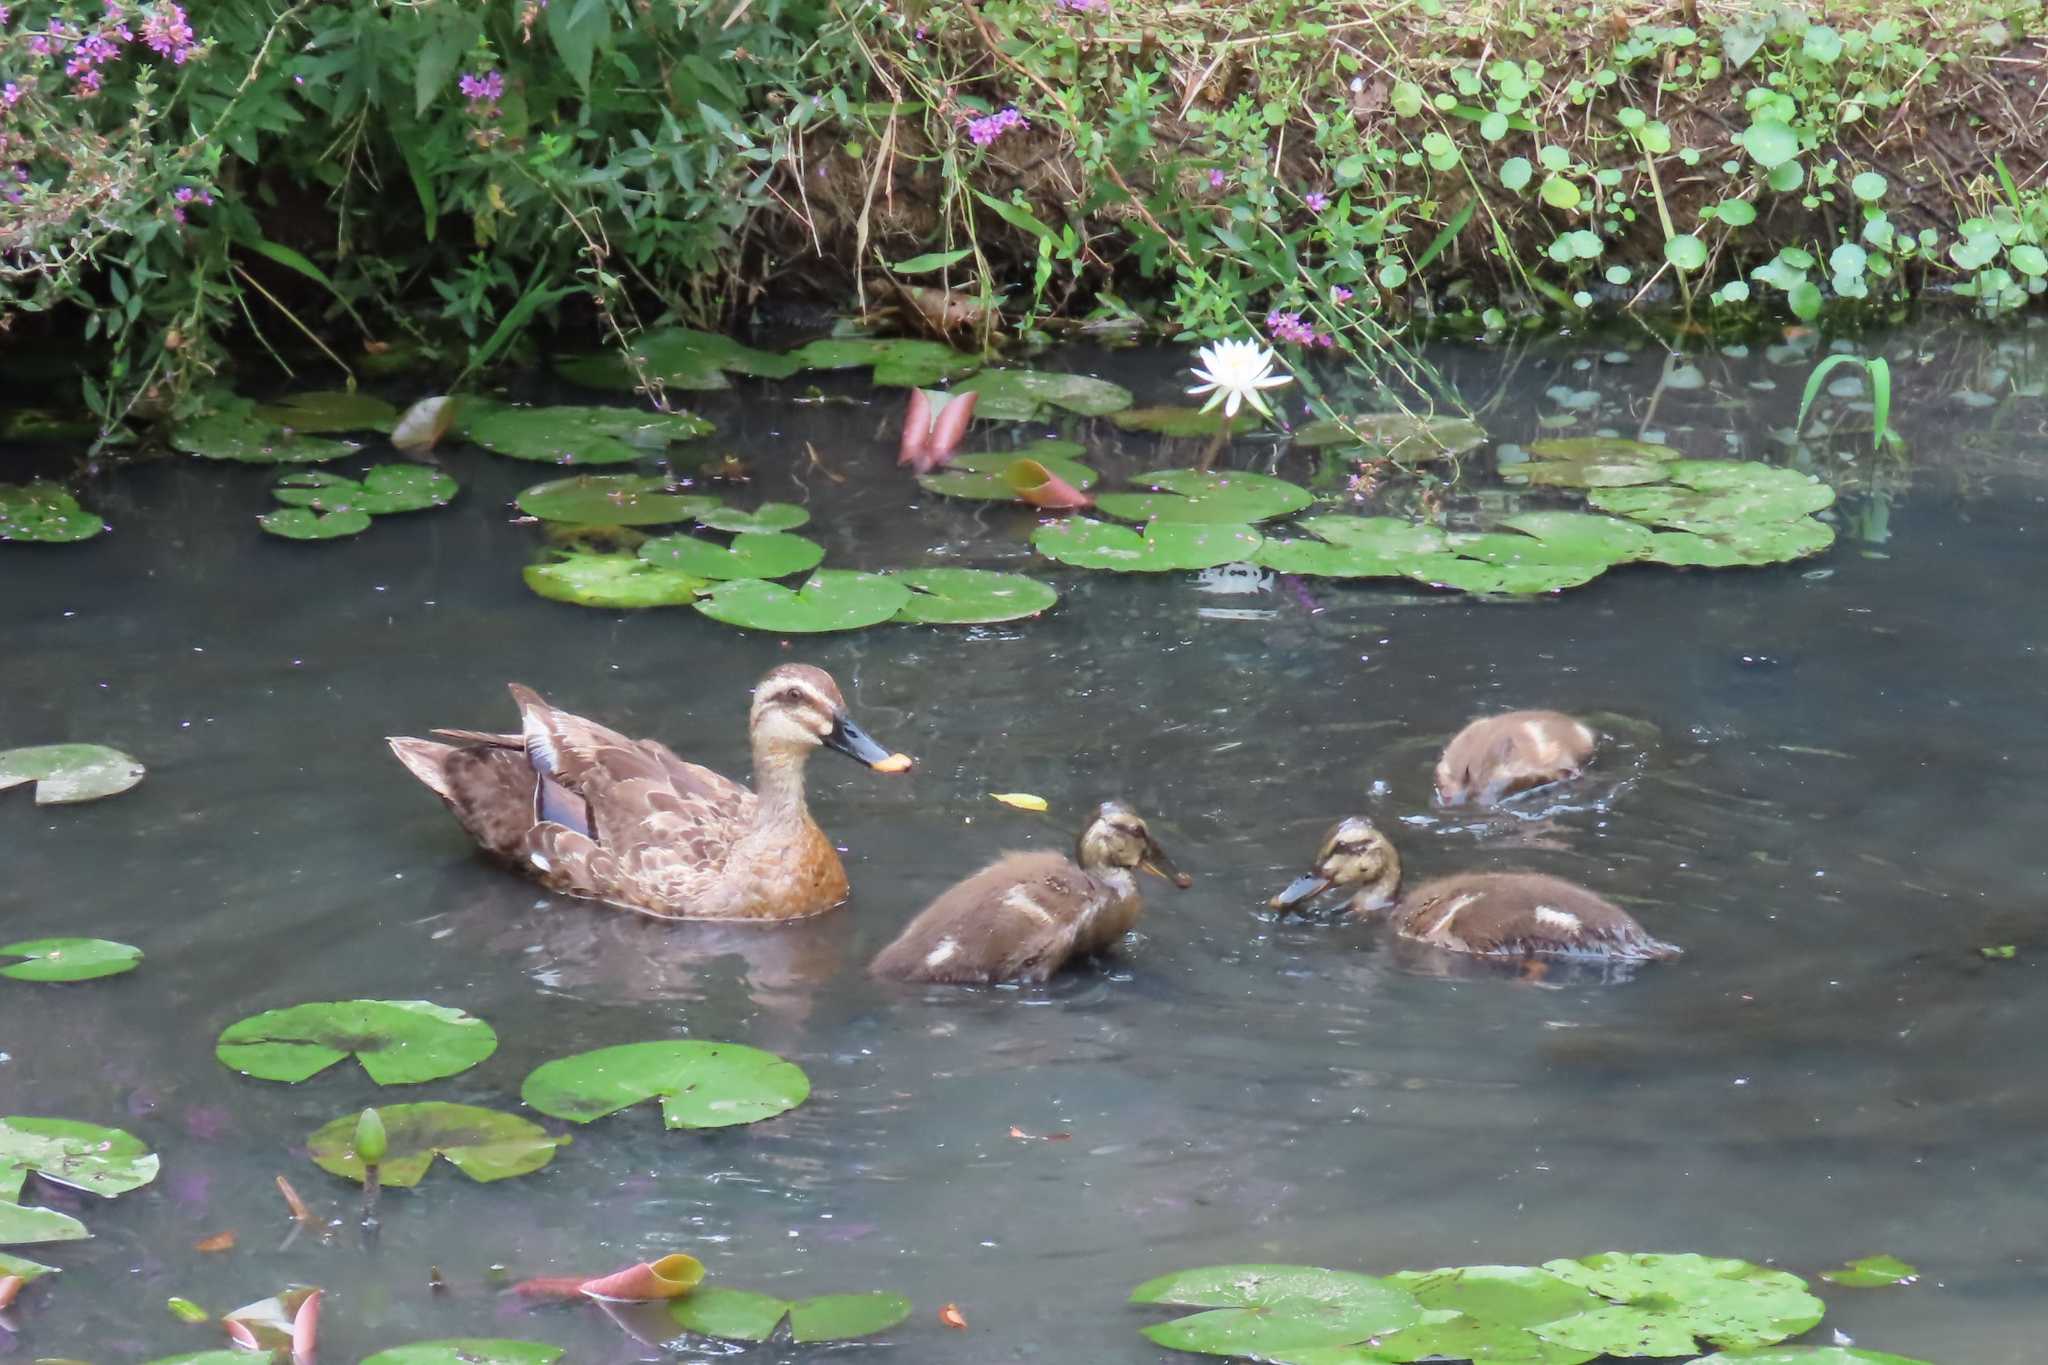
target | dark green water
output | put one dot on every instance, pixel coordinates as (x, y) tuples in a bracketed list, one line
[(1830, 794)]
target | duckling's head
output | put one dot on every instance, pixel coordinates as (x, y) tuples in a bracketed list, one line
[(797, 708), (1354, 853), (1118, 838)]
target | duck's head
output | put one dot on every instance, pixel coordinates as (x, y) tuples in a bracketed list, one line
[(1117, 838), (1353, 854), (797, 708)]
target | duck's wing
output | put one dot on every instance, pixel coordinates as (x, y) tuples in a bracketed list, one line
[(1015, 920), (694, 779), (1520, 913), (489, 789)]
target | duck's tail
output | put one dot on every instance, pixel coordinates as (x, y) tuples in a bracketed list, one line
[(424, 759)]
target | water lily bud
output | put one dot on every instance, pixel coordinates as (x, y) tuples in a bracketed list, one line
[(370, 1141)]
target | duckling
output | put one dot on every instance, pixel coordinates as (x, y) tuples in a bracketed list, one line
[(1491, 914), (590, 813), (1497, 756), (1026, 915)]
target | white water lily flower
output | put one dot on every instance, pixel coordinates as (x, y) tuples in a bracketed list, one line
[(1233, 372)]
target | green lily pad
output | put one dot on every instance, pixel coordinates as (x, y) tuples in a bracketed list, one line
[(1182, 422), (483, 1144), (967, 597), (1480, 1313), (1718, 492), (236, 432), (1587, 537), (1448, 1336), (303, 523), (21, 1224), (984, 476), (65, 773), (324, 412), (399, 1042), (83, 1156), (832, 599), (1871, 1272), (1218, 497), (1267, 1312), (769, 516), (680, 358), (742, 1315), (1594, 462), (1502, 566), (898, 363), (1354, 547), (588, 579), (68, 959), (1406, 438), (754, 554), (612, 500), (25, 1269), (1161, 547), (699, 1084), (1661, 1303), (1024, 395), (1733, 546), (44, 512), (46, 424), (232, 1357), (575, 435), (1806, 1355), (468, 1351), (382, 491)]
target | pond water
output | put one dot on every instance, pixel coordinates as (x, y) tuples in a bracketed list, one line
[(1828, 790)]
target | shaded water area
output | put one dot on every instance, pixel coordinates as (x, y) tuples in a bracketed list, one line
[(1826, 787)]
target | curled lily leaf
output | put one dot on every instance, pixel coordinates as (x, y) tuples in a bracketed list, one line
[(1034, 483), (669, 1277)]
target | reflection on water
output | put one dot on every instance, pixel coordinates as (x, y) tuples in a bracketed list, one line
[(1823, 783)]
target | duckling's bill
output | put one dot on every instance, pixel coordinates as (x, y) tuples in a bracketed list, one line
[(849, 739), (1302, 889), (1159, 865)]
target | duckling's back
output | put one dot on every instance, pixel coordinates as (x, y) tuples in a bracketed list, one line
[(1015, 920)]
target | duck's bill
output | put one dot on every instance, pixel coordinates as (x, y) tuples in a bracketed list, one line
[(1159, 865), (1299, 891), (849, 739)]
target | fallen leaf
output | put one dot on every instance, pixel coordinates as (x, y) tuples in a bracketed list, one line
[(1021, 800), (10, 1285), (953, 1317), (293, 1202), (563, 1287), (220, 1241), (1033, 483)]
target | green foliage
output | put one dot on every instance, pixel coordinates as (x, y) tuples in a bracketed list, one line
[(65, 773), (469, 1351), (742, 1315), (699, 1084), (46, 512), (398, 1042), (481, 1143), (83, 1156), (68, 959)]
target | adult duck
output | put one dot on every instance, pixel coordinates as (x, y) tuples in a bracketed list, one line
[(1026, 915), (588, 812), (1497, 756), (1489, 914)]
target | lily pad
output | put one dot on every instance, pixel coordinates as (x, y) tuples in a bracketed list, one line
[(754, 554), (1588, 537), (575, 435), (699, 1084), (1354, 547), (1024, 395), (1715, 492), (68, 959), (1806, 1355), (1447, 1336), (382, 491), (44, 512), (1661, 1303), (587, 579), (1503, 566), (897, 363), (303, 523), (985, 476), (46, 424), (1733, 546), (1871, 1272), (1161, 547), (1481, 1313), (832, 599), (742, 1315), (65, 773), (469, 1351), (1181, 422), (483, 1144), (679, 357), (1405, 438), (20, 1224), (237, 432), (1266, 1312), (228, 1357), (1594, 462), (329, 411), (769, 516), (399, 1042), (1212, 498), (83, 1156), (24, 1269), (966, 597), (612, 500)]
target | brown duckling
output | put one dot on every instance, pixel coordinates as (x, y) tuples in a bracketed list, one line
[(1497, 756), (588, 812), (1027, 914), (1491, 914)]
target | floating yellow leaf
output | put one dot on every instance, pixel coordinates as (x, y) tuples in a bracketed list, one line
[(1021, 800)]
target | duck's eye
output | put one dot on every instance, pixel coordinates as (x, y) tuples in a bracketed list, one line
[(793, 696)]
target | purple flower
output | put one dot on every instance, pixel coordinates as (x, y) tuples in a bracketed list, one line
[(1339, 294), (1216, 181), (1083, 6), (5, 14), (483, 90), (985, 130), (1289, 327), (1316, 200), (10, 95), (88, 83), (167, 33)]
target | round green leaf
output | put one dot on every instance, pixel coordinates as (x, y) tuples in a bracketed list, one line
[(1518, 1295), (1559, 193), (1267, 1311), (1354, 547), (1161, 547), (1587, 537), (1869, 187), (303, 523), (1023, 395), (235, 432), (769, 516), (831, 599), (574, 435), (699, 1084), (483, 1144), (1770, 142), (1450, 1336), (1405, 438), (1177, 422), (678, 358), (1806, 1355), (733, 1314), (983, 476), (1786, 178), (1685, 251), (967, 597), (587, 579), (2026, 258), (68, 959), (1662, 1302), (329, 411), (84, 1156), (1718, 491), (1871, 1272), (468, 1351), (1222, 497), (754, 554), (1735, 212), (399, 1042), (65, 773), (382, 491), (838, 1317), (612, 500), (21, 1224), (1594, 462), (1523, 564), (1515, 174), (44, 512), (898, 363), (1805, 300)]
